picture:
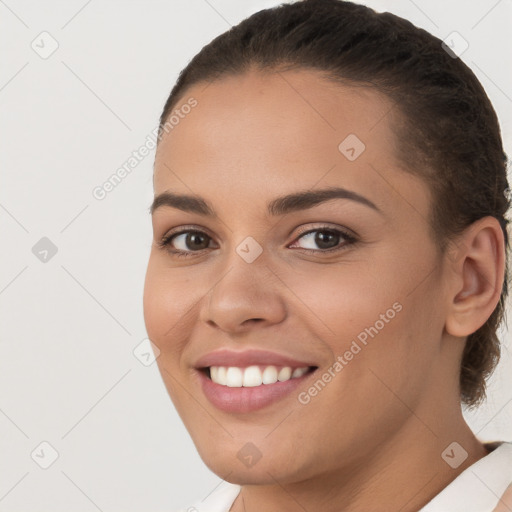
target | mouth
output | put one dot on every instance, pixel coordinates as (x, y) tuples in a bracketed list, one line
[(235, 389)]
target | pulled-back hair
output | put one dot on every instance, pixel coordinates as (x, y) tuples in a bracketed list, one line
[(446, 128)]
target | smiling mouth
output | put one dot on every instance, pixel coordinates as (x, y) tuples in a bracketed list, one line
[(255, 375)]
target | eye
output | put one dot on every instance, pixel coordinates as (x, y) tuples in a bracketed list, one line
[(326, 239), (185, 242)]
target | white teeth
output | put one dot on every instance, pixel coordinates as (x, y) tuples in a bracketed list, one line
[(285, 373), (269, 375), (221, 374), (234, 377), (253, 376), (299, 372)]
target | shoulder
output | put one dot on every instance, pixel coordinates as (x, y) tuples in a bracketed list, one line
[(220, 500), (500, 458)]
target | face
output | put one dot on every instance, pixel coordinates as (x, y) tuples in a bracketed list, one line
[(310, 249)]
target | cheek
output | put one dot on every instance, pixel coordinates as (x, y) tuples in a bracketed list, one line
[(165, 306), (368, 315), (348, 298)]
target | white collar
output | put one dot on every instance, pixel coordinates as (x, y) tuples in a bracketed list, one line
[(479, 487)]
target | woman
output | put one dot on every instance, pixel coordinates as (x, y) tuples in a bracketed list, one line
[(329, 264)]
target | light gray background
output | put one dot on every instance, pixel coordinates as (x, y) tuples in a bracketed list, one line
[(68, 375)]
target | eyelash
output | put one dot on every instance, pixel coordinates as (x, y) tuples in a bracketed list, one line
[(165, 242)]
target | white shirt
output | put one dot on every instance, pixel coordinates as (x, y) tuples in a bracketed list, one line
[(477, 489)]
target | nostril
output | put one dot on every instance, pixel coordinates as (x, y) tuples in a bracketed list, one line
[(253, 320)]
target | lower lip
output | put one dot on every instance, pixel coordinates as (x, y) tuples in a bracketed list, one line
[(248, 399)]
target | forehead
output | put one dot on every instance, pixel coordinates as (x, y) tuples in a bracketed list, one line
[(286, 130)]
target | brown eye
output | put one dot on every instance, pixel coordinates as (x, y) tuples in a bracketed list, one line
[(186, 241), (196, 241), (324, 240), (327, 239)]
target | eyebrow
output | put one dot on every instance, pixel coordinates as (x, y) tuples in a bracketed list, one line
[(280, 206)]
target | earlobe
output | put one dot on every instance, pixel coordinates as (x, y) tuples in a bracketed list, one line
[(478, 272)]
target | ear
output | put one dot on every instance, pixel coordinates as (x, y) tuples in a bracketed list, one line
[(476, 265)]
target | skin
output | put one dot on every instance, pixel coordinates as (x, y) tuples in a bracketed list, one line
[(505, 502), (373, 437)]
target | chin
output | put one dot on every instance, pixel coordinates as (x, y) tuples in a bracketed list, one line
[(246, 466)]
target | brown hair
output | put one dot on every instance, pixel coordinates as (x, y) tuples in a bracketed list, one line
[(448, 131)]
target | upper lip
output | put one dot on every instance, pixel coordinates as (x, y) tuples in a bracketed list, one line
[(249, 357)]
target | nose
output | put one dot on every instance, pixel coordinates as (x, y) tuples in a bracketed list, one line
[(246, 295)]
